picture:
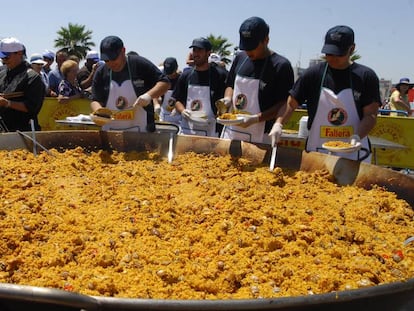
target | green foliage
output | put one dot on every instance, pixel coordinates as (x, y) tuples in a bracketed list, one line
[(221, 46), (75, 40), (355, 56)]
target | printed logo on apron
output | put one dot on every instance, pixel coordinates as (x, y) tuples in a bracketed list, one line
[(337, 116), (121, 102), (196, 105), (170, 105), (241, 102)]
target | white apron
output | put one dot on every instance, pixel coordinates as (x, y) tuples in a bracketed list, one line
[(167, 107), (336, 119), (246, 98), (127, 118), (198, 99)]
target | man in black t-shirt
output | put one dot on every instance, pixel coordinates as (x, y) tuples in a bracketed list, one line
[(342, 97), (127, 85), (197, 90), (257, 84)]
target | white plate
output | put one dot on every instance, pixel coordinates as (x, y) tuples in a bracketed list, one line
[(236, 121), (198, 114), (354, 148)]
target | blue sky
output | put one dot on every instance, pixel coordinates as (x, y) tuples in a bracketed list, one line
[(157, 29)]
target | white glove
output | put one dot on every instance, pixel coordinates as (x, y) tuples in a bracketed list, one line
[(354, 139), (143, 100), (276, 133), (249, 120), (186, 114)]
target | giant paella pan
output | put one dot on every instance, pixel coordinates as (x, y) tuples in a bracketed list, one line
[(397, 295)]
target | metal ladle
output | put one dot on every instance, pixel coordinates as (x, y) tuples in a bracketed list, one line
[(33, 139)]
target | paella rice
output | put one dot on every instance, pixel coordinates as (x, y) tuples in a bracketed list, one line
[(205, 227)]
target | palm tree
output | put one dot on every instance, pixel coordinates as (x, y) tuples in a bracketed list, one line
[(221, 47), (75, 40), (355, 56)]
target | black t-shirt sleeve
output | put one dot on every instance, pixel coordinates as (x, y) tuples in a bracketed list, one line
[(180, 90), (100, 85), (371, 85), (144, 70)]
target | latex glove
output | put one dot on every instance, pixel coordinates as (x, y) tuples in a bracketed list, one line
[(354, 139), (223, 105), (143, 100), (249, 120), (276, 133), (186, 114)]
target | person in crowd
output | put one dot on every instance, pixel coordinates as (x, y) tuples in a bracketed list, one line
[(189, 62), (258, 83), (74, 58), (86, 73), (37, 63), (127, 84), (342, 97), (69, 88), (197, 90), (166, 105), (55, 75), (49, 58), (20, 108), (399, 98), (215, 60)]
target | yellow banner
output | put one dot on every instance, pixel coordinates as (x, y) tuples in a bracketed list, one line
[(52, 110), (399, 130)]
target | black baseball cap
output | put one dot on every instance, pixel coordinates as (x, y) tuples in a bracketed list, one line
[(252, 31), (170, 65), (201, 43), (338, 40), (111, 46)]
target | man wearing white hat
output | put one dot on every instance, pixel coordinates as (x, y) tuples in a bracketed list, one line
[(86, 73), (37, 63), (21, 88)]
